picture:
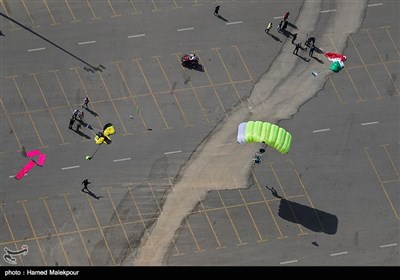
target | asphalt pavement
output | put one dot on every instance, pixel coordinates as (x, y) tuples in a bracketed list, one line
[(339, 185)]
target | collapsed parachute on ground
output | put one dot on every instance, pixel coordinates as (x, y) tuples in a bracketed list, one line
[(337, 61), (103, 136), (337, 66), (270, 134)]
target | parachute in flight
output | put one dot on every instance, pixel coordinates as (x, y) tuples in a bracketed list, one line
[(270, 134)]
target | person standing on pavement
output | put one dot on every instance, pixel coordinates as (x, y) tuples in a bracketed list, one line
[(269, 26), (311, 52), (286, 16), (280, 26), (85, 102), (216, 11), (1, 34), (294, 38), (71, 122), (296, 49), (285, 24)]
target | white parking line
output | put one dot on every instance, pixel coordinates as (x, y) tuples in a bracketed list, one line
[(368, 123), (34, 50), (337, 254), (234, 22), (121, 159), (328, 11), (278, 17), (85, 43), (388, 245), (185, 29), (70, 167), (373, 5), (293, 261), (173, 152), (135, 36), (321, 130)]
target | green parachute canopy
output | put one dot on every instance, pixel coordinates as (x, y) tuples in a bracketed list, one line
[(271, 134), (336, 66)]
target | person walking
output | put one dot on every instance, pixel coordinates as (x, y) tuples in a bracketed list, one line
[(296, 49), (269, 26), (85, 183), (286, 16), (216, 11), (294, 38), (85, 102)]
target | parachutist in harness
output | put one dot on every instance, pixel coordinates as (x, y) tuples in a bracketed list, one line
[(257, 159)]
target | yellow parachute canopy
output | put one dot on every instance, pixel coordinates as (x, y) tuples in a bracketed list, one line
[(102, 137), (271, 134)]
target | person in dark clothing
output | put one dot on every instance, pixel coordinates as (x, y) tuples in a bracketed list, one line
[(285, 24), (312, 49), (294, 38), (85, 183), (280, 26), (296, 49), (71, 122), (216, 10)]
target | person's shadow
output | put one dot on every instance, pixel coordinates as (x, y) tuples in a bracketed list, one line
[(303, 57), (292, 25), (274, 37), (317, 59), (91, 112), (311, 218), (86, 190), (82, 134), (221, 17)]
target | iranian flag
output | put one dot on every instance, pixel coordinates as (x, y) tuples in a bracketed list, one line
[(335, 56)]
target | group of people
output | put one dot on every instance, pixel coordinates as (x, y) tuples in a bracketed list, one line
[(309, 43), (78, 115), (283, 25)]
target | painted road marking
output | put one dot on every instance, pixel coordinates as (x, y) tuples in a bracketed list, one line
[(173, 152), (13, 176), (34, 50), (185, 29), (235, 22), (87, 42), (293, 261), (121, 159), (368, 123), (135, 36), (321, 130), (328, 11), (278, 17), (70, 167), (388, 245), (340, 253), (373, 5)]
